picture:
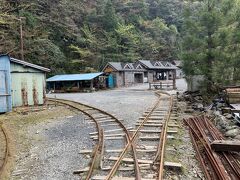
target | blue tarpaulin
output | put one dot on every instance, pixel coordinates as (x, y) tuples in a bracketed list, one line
[(74, 77)]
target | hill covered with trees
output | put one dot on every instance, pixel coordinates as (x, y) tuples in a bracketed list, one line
[(81, 36), (72, 36)]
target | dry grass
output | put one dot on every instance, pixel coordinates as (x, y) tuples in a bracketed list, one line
[(17, 122)]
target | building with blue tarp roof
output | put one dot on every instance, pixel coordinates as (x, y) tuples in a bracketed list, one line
[(76, 82)]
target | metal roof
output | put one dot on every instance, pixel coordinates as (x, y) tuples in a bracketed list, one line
[(24, 63), (74, 77), (163, 64), (124, 66)]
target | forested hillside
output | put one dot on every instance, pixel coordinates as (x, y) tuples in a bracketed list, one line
[(81, 36), (71, 36)]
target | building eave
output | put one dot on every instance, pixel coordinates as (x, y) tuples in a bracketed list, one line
[(24, 63)]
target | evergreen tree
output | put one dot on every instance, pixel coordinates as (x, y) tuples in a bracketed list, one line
[(201, 43)]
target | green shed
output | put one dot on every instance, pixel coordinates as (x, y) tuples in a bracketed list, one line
[(28, 83)]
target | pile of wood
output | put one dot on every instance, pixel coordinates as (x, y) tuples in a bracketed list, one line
[(233, 95)]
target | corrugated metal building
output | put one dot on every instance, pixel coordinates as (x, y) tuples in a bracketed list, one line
[(22, 83), (28, 83), (5, 84)]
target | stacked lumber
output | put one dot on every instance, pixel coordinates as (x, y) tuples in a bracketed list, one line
[(233, 95)]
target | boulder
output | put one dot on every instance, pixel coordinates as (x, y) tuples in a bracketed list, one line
[(232, 133), (229, 116), (221, 121), (231, 127), (237, 137)]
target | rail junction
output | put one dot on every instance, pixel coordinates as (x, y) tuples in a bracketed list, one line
[(131, 153)]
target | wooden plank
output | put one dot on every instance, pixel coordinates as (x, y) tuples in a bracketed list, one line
[(111, 138), (150, 125), (153, 138), (130, 160), (85, 151), (157, 125), (104, 121), (153, 118), (153, 131), (146, 147), (172, 164), (113, 150), (150, 121), (147, 150), (138, 150), (112, 130), (107, 120), (109, 135), (116, 178), (128, 167), (107, 125), (223, 145), (86, 169)]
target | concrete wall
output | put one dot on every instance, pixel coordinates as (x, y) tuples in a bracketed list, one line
[(194, 82), (179, 73), (28, 85)]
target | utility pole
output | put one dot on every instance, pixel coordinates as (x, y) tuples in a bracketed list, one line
[(21, 38)]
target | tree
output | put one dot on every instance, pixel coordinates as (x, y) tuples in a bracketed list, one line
[(110, 20), (208, 41)]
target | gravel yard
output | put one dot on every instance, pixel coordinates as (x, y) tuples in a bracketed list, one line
[(48, 142), (48, 145), (126, 103)]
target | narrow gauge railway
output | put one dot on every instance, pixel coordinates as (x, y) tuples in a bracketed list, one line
[(149, 139), (110, 133), (215, 165), (4, 149)]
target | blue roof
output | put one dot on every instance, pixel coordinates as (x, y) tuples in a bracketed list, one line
[(74, 77)]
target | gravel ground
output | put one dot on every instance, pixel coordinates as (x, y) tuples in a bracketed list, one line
[(126, 103), (48, 146)]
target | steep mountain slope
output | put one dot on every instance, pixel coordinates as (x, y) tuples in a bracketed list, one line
[(81, 36)]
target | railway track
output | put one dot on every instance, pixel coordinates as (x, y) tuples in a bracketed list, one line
[(128, 153), (110, 132), (215, 165), (149, 136), (4, 149)]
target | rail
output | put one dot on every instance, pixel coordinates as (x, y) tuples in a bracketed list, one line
[(6, 154)]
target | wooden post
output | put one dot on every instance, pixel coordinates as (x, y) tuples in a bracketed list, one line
[(91, 86), (21, 38), (174, 79), (167, 75)]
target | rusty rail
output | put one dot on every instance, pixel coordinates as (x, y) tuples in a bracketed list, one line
[(99, 147), (132, 141), (223, 164), (162, 143), (117, 163), (6, 154)]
